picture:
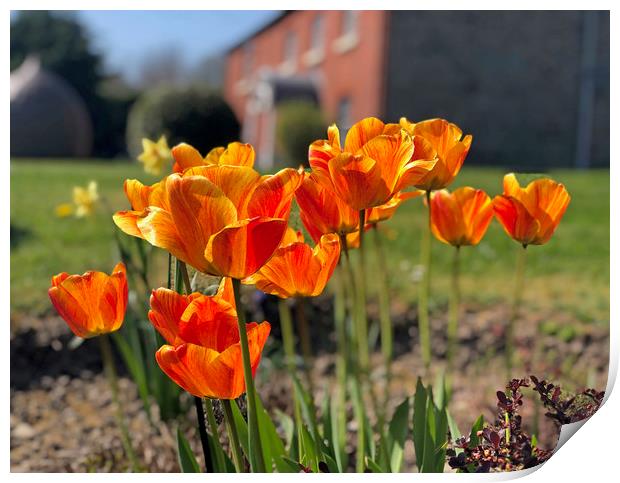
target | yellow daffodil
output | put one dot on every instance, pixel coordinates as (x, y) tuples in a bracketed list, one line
[(155, 155), (85, 199)]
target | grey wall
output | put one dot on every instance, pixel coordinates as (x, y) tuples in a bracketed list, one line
[(512, 79)]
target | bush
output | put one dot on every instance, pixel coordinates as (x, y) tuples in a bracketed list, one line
[(193, 115), (299, 124)]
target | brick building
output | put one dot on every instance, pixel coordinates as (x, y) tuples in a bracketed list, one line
[(532, 87)]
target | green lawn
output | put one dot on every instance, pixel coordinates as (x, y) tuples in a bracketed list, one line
[(570, 273)]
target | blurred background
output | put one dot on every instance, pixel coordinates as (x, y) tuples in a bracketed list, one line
[(86, 86)]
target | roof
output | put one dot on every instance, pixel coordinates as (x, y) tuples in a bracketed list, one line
[(265, 27)]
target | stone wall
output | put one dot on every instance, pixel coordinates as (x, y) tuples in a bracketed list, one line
[(512, 79)]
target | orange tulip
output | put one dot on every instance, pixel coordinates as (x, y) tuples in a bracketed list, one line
[(222, 220), (377, 161), (312, 268), (530, 215), (322, 212), (203, 354), (93, 303), (461, 217), (445, 143), (235, 154)]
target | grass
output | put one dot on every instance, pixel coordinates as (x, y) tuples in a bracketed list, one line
[(570, 273)]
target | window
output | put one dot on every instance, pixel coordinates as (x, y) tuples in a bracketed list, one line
[(344, 113), (290, 48), (349, 22), (317, 39)]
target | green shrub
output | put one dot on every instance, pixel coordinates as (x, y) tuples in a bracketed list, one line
[(299, 123), (194, 115)]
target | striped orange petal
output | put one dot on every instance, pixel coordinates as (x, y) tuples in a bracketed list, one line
[(93, 303)]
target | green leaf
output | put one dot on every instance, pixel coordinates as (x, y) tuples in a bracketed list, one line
[(419, 422), (428, 461), (288, 426), (473, 435), (373, 466), (242, 429), (441, 439), (335, 441), (135, 365), (397, 435), (455, 433), (187, 460), (309, 457), (273, 447)]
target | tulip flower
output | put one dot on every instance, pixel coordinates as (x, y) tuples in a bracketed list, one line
[(531, 215), (312, 267), (155, 155), (222, 220), (376, 162), (203, 354), (322, 212), (445, 143), (459, 218), (462, 217), (235, 154), (93, 303)]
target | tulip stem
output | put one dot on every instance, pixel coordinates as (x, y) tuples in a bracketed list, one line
[(288, 341), (387, 345), (204, 437), (256, 451), (362, 321), (233, 436), (425, 288), (218, 450), (341, 362), (356, 391), (514, 314), (110, 372), (453, 311), (306, 342)]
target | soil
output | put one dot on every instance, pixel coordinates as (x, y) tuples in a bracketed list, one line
[(62, 416)]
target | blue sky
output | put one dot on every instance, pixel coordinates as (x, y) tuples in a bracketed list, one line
[(126, 38)]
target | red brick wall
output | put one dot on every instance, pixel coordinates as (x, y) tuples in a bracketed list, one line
[(357, 73)]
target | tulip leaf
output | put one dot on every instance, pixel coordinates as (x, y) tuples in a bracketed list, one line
[(419, 422), (288, 426), (273, 447), (187, 460), (474, 440), (373, 466), (242, 429), (397, 435)]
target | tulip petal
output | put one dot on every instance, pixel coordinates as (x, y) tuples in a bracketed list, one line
[(516, 220), (238, 154), (236, 182), (447, 221), (357, 180), (240, 249), (391, 153), (321, 211), (209, 322), (274, 194), (127, 221), (361, 132), (167, 307), (186, 156), (320, 153)]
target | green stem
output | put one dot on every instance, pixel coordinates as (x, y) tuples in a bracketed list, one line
[(288, 341), (204, 437), (110, 372), (341, 361), (518, 293), (233, 436), (258, 464), (362, 321), (387, 338), (453, 315), (218, 450), (425, 289), (356, 392), (305, 342)]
